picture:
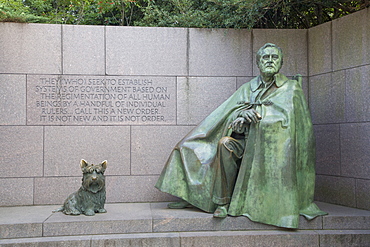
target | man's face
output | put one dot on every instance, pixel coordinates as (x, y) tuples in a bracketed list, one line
[(270, 61)]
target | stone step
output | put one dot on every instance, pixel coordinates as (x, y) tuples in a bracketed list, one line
[(270, 238), (141, 222)]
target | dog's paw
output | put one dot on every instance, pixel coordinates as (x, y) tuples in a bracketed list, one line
[(89, 212), (72, 212)]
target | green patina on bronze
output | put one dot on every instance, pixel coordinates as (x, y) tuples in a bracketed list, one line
[(91, 196), (267, 175)]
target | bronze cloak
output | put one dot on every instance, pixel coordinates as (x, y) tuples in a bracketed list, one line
[(276, 180)]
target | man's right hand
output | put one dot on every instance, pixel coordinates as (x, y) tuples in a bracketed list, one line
[(251, 115), (238, 125)]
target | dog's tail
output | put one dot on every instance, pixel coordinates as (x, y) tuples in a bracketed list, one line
[(58, 209)]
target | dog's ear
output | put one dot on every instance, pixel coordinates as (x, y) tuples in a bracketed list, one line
[(83, 164), (104, 165)]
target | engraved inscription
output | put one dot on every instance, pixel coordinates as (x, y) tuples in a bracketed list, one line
[(100, 100)]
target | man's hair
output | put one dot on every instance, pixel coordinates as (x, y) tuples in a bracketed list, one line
[(260, 51)]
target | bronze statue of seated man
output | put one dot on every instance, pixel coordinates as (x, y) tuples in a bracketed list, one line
[(252, 156)]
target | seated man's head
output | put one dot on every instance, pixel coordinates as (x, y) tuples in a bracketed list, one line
[(269, 59)]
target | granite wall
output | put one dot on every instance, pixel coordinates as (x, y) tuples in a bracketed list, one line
[(129, 94), (339, 96)]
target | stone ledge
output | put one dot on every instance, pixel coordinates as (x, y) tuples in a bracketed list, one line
[(192, 219), (121, 218), (127, 218), (271, 238)]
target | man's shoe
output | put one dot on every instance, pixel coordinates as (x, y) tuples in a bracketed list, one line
[(178, 205), (220, 212)]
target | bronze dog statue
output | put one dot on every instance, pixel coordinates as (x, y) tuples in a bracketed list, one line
[(90, 198)]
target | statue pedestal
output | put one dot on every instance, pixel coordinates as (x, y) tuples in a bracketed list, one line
[(133, 224)]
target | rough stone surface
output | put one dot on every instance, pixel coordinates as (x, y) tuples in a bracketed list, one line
[(83, 49), (152, 145), (134, 189), (75, 241), (22, 222), (355, 150), (327, 149), (220, 52), (192, 219), (137, 224), (199, 96), (120, 218), (146, 51), (358, 94), (21, 151), (292, 42), (337, 190), (240, 239), (347, 222), (65, 146), (149, 239), (319, 49), (324, 90), (351, 40), (250, 238), (30, 48), (241, 80), (55, 190), (16, 191), (13, 99), (362, 194), (341, 218), (353, 238)]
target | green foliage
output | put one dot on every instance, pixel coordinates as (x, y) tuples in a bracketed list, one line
[(16, 11), (306, 13), (181, 13), (187, 13), (88, 12), (247, 13)]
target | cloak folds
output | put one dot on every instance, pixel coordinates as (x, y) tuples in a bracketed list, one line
[(276, 179)]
